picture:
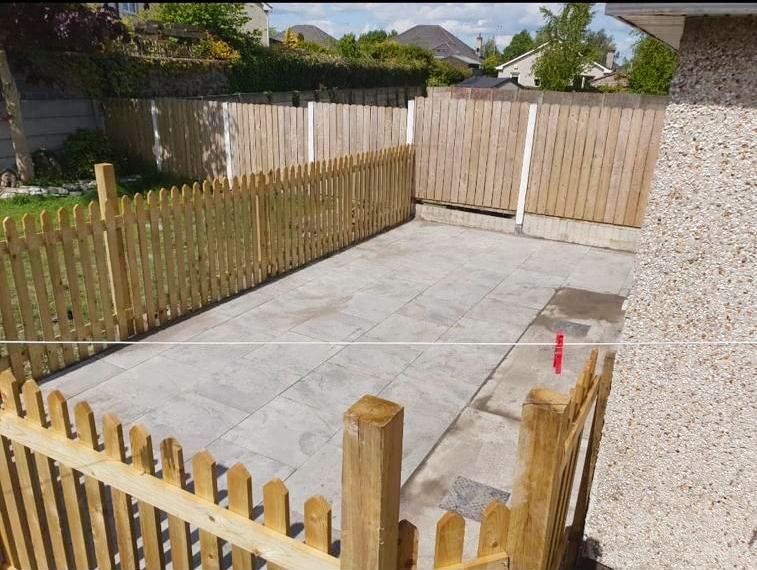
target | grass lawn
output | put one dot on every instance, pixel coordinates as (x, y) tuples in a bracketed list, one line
[(17, 206)]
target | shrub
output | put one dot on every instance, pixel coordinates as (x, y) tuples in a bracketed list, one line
[(213, 48), (443, 73), (82, 150)]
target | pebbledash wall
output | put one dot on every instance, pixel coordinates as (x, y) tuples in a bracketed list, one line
[(676, 482)]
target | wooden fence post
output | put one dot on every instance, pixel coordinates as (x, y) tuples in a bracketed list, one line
[(371, 464), (107, 196), (532, 509)]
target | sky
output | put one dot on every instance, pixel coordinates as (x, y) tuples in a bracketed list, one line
[(465, 20)]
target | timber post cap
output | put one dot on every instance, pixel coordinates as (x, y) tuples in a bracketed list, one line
[(373, 410)]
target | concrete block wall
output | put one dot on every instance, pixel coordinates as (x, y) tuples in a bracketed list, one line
[(676, 480), (48, 122)]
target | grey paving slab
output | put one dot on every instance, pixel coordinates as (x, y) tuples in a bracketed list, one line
[(194, 420), (330, 389), (140, 389), (246, 384), (334, 326), (297, 358), (426, 307), (132, 355), (399, 328), (385, 361), (262, 468), (88, 375), (321, 475), (278, 408), (284, 430)]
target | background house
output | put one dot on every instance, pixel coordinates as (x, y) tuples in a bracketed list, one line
[(444, 45), (675, 484), (310, 34), (256, 11), (521, 68), (486, 82), (258, 14)]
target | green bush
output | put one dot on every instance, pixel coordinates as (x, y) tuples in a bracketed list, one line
[(82, 150), (261, 69)]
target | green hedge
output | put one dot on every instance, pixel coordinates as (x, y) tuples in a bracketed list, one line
[(118, 75), (286, 70)]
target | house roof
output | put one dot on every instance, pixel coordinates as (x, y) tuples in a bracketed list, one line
[(501, 66), (521, 56), (311, 34), (438, 40), (486, 82), (665, 21)]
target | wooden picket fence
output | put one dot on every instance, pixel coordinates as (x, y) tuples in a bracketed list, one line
[(69, 502), (134, 264)]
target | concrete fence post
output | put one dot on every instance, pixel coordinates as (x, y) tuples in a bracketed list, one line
[(410, 122), (311, 131), (227, 140), (157, 149), (526, 167), (371, 466)]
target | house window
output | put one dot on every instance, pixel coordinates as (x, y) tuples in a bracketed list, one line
[(128, 8), (514, 75), (537, 81)]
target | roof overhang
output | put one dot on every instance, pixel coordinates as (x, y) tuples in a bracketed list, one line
[(665, 21)]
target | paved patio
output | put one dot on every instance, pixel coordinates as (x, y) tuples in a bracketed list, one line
[(278, 408)]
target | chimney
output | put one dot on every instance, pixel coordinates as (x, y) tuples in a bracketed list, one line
[(610, 58), (479, 45)]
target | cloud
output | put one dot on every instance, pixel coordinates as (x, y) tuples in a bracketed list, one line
[(503, 41), (464, 19)]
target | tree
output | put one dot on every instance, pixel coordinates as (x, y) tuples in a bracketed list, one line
[(651, 67), (520, 44), (290, 38), (600, 43), (225, 20), (489, 48), (372, 37), (348, 47), (564, 58), (489, 65), (57, 27)]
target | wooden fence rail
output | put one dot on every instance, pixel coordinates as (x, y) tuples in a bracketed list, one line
[(147, 260), (69, 502)]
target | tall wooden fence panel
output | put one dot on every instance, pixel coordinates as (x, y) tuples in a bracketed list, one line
[(592, 156), (68, 503), (346, 129), (208, 139), (470, 151), (266, 137), (151, 259)]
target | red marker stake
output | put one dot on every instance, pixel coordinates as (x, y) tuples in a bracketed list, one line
[(559, 346)]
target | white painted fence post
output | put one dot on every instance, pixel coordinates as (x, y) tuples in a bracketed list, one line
[(227, 140), (311, 131), (157, 150), (410, 122), (528, 147)]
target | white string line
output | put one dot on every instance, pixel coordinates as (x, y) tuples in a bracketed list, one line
[(381, 343)]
